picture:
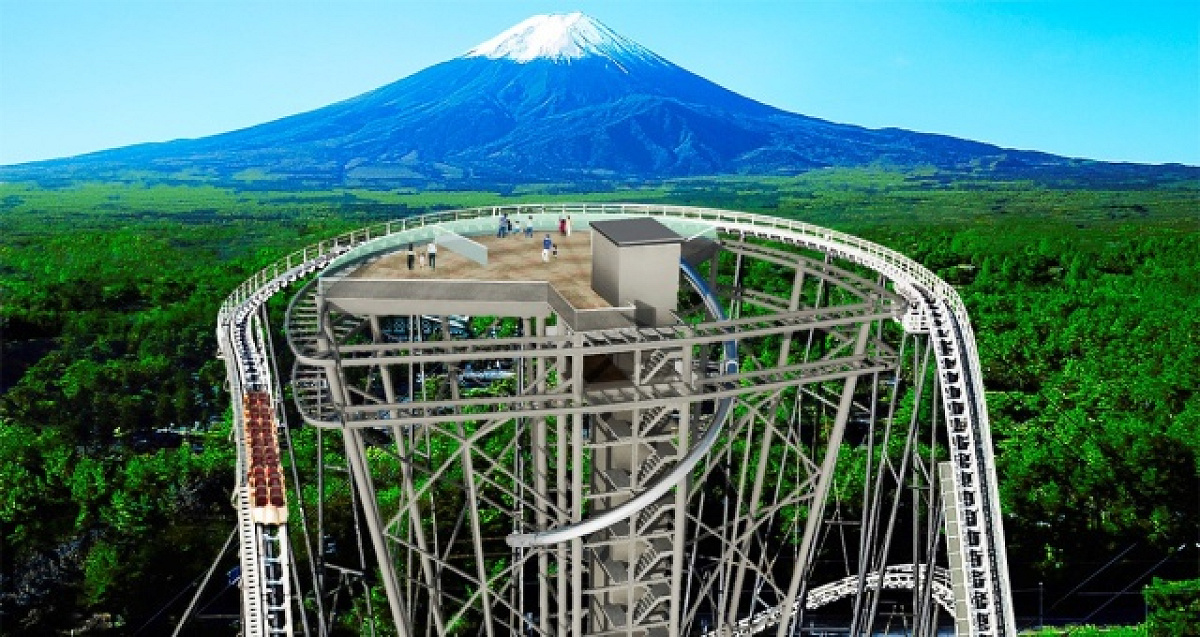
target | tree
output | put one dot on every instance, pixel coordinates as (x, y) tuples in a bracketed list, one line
[(1173, 608)]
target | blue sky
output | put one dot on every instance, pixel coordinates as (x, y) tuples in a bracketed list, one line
[(1114, 81)]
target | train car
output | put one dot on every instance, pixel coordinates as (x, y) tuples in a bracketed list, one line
[(268, 498)]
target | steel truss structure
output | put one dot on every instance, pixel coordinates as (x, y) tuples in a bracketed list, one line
[(805, 441)]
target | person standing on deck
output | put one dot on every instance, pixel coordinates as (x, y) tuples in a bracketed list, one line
[(412, 256), (562, 226), (568, 225), (503, 230), (546, 243), (529, 227), (432, 255)]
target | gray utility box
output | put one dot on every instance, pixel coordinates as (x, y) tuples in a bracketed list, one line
[(636, 262)]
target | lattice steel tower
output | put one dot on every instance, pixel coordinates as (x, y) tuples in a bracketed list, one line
[(674, 421)]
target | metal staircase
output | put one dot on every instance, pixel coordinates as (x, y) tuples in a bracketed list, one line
[(631, 565)]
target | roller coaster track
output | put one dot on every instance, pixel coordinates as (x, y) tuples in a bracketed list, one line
[(901, 577), (982, 590), (258, 494)]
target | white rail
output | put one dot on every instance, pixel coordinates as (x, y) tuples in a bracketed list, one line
[(265, 565), (893, 578), (940, 308)]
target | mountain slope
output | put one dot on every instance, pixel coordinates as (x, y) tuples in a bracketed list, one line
[(554, 97)]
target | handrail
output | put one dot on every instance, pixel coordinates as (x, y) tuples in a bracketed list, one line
[(887, 257)]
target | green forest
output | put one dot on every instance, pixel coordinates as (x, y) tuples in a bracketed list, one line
[(115, 456)]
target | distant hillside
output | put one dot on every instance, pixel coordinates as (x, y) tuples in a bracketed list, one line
[(555, 98)]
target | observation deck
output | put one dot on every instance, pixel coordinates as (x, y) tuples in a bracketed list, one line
[(513, 258), (642, 504)]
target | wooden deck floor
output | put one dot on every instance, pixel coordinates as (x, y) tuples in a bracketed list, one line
[(513, 258)]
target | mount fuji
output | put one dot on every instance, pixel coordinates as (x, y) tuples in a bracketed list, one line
[(554, 98)]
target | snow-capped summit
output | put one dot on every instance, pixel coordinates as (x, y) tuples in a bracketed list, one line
[(561, 37), (556, 99)]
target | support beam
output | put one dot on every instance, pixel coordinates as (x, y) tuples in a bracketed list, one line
[(816, 511)]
